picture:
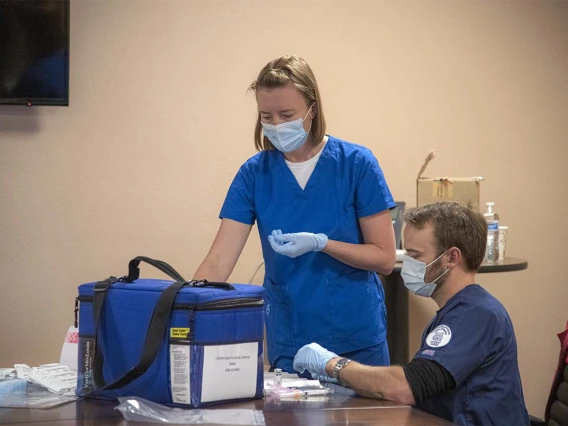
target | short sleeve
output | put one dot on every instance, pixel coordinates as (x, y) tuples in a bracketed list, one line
[(239, 204), (463, 341), (372, 194)]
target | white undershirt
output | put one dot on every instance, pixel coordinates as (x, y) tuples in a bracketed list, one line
[(302, 171)]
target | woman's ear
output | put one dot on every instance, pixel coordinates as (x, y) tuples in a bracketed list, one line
[(314, 110)]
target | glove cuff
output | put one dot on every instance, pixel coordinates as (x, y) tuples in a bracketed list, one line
[(321, 241)]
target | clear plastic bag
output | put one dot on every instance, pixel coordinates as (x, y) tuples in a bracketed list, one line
[(34, 397), (290, 386), (140, 410)]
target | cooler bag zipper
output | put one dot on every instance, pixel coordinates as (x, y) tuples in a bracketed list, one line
[(243, 302)]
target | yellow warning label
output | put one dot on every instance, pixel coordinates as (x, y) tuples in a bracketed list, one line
[(179, 333)]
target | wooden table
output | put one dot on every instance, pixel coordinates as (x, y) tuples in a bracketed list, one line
[(396, 300), (341, 408)]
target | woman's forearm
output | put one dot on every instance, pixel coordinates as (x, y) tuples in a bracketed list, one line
[(368, 257)]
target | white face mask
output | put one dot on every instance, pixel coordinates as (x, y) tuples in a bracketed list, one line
[(287, 137), (413, 272)]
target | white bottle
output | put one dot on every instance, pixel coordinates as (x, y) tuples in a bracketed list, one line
[(492, 219)]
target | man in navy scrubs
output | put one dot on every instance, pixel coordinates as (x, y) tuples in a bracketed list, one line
[(466, 370)]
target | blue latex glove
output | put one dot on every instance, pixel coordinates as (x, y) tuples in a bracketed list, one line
[(313, 358), (296, 244)]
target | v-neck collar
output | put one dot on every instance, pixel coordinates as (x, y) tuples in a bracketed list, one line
[(314, 177)]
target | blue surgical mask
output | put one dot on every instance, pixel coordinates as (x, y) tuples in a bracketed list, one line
[(287, 137), (413, 272)]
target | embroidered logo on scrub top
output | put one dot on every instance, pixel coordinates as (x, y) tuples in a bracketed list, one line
[(440, 337)]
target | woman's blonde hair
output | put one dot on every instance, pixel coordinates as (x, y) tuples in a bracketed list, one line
[(280, 72)]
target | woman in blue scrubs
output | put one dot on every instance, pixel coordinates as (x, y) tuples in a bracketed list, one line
[(321, 205)]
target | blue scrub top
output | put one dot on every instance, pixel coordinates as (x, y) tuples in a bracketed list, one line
[(314, 297), (473, 338)]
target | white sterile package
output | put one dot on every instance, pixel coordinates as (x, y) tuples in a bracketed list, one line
[(136, 409), (56, 378), (37, 387), (22, 370), (288, 380), (290, 386), (5, 372)]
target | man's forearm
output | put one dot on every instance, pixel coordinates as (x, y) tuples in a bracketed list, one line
[(375, 382)]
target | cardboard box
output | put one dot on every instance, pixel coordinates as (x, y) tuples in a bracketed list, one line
[(436, 189)]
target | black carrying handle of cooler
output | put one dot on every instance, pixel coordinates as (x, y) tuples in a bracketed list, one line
[(134, 270), (152, 342), (205, 283)]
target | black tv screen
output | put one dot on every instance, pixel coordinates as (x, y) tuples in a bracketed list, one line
[(34, 52)]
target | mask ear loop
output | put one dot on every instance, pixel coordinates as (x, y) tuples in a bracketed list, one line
[(309, 109), (435, 260), (312, 120), (443, 273)]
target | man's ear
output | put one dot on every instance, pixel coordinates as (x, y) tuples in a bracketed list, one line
[(455, 256)]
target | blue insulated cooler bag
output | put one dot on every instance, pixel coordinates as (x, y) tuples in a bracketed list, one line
[(186, 343)]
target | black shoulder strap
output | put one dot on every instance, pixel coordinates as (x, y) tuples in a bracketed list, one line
[(152, 343), (100, 291)]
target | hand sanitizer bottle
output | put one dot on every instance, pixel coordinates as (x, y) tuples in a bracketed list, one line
[(492, 219)]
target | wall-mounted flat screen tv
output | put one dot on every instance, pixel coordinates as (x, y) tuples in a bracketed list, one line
[(34, 52)]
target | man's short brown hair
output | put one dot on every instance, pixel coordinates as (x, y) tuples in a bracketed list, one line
[(455, 225)]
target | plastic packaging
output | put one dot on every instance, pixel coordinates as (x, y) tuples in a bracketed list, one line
[(278, 385), (492, 249), (302, 394), (12, 386), (7, 372), (136, 409), (492, 219), (34, 397)]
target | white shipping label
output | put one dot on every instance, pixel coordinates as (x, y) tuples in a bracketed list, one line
[(179, 374), (229, 371)]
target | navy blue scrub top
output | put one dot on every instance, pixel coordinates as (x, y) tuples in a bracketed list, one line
[(314, 297), (473, 338)]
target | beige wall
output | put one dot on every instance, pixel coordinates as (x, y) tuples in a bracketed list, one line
[(160, 121)]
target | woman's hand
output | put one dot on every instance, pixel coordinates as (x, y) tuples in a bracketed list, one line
[(296, 244)]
